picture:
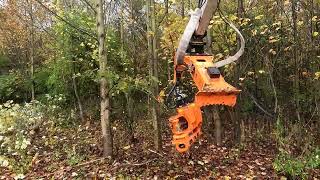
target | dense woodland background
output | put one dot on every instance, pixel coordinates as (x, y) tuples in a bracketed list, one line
[(82, 82)]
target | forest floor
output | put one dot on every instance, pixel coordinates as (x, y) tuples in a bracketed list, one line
[(74, 153)]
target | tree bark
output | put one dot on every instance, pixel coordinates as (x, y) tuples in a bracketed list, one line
[(166, 6), (76, 93), (104, 96), (182, 8), (130, 116), (234, 115), (153, 71), (236, 125), (31, 49), (296, 52), (295, 58), (216, 120), (217, 125)]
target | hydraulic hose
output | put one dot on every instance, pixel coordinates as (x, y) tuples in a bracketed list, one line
[(235, 57), (187, 34)]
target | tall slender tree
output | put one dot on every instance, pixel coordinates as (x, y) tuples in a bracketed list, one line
[(31, 53), (107, 138), (153, 70)]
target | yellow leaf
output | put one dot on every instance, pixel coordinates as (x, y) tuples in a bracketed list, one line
[(254, 32), (233, 17), (286, 2), (259, 17), (314, 34), (317, 75), (272, 51), (300, 23), (314, 18), (263, 32), (162, 94), (218, 56), (287, 48), (276, 23), (273, 40), (261, 71)]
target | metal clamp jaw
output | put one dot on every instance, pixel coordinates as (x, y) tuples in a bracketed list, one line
[(212, 90)]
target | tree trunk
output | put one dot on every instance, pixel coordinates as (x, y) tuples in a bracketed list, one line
[(208, 126), (76, 93), (182, 8), (295, 58), (237, 122), (153, 71), (217, 125), (166, 6), (104, 96), (121, 29), (216, 120), (31, 50), (130, 116)]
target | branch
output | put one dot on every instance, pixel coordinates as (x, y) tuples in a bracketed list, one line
[(155, 152), (68, 23), (90, 6), (259, 106)]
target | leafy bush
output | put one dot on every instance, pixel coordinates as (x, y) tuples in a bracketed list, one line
[(18, 125), (16, 121), (13, 86), (297, 167)]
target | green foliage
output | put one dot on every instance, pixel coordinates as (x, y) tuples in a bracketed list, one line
[(297, 167), (73, 158), (290, 166), (286, 163), (4, 61), (18, 124), (7, 83), (13, 86)]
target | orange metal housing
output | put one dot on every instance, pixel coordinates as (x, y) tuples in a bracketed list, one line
[(186, 125)]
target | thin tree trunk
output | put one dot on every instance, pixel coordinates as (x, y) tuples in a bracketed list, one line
[(121, 29), (150, 56), (217, 125), (31, 50), (236, 125), (104, 96), (214, 109), (237, 122), (130, 116), (270, 72), (295, 58), (154, 74), (166, 6), (76, 93), (208, 123), (182, 8)]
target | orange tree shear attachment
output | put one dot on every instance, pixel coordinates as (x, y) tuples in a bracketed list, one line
[(212, 90)]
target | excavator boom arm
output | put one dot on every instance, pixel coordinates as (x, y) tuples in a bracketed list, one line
[(208, 8), (212, 88)]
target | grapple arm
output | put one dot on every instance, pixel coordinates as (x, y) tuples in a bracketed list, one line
[(211, 86)]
